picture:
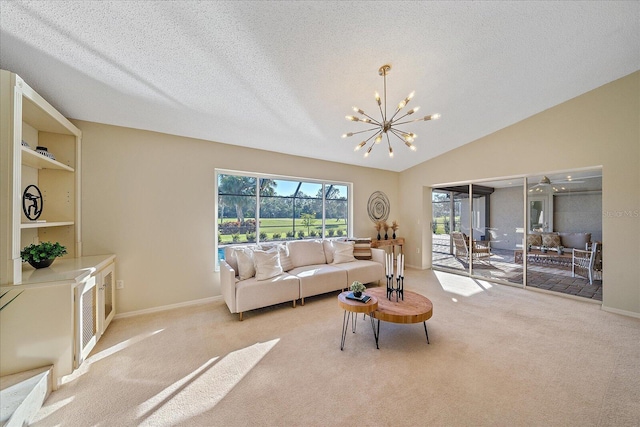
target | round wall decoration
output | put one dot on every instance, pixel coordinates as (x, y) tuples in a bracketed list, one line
[(378, 206), (32, 202)]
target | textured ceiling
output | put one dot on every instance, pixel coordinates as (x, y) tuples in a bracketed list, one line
[(281, 76)]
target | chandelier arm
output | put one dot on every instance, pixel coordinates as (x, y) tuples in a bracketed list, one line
[(369, 139), (396, 113), (396, 131), (401, 117), (370, 148), (384, 118), (366, 130), (409, 121), (372, 119)]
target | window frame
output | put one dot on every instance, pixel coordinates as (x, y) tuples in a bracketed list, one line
[(258, 176)]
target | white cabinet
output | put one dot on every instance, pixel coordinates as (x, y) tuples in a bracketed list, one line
[(106, 297), (94, 310), (86, 320)]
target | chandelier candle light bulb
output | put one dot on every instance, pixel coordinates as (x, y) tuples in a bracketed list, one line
[(387, 125)]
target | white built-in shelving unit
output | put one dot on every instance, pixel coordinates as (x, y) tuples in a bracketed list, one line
[(61, 311)]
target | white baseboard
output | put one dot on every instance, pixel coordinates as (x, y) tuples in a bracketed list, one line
[(168, 307), (623, 312)]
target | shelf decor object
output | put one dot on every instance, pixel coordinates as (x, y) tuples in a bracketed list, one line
[(397, 288), (388, 123), (42, 255), (32, 202), (378, 207), (45, 152)]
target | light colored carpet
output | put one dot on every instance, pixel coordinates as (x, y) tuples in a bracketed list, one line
[(499, 356)]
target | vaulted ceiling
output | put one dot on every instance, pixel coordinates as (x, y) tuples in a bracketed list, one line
[(282, 75)]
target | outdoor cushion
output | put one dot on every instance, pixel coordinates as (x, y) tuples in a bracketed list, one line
[(575, 240), (550, 240), (534, 240)]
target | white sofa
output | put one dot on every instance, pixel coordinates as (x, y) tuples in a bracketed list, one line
[(307, 268)]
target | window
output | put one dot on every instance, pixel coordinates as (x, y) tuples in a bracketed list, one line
[(258, 208)]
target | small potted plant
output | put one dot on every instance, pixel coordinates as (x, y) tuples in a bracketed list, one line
[(543, 249), (357, 288), (561, 250), (42, 255)]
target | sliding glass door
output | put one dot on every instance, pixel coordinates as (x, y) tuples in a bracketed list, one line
[(543, 232), (497, 222), (564, 221)]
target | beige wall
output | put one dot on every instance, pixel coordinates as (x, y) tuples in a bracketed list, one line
[(149, 198), (599, 128)]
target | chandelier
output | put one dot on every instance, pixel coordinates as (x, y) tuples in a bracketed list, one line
[(387, 125)]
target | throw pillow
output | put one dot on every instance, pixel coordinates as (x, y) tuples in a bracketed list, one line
[(285, 260), (306, 252), (550, 240), (267, 264), (244, 257), (343, 252), (362, 248), (534, 240), (329, 249)]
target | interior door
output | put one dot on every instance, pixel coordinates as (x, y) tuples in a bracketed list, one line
[(539, 215)]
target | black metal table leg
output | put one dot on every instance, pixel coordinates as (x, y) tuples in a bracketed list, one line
[(425, 331), (375, 334), (345, 324)]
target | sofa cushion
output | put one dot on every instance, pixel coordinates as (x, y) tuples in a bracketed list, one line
[(244, 260), (252, 294), (320, 278), (575, 240), (363, 271), (551, 240), (343, 252), (534, 240), (267, 264), (306, 252)]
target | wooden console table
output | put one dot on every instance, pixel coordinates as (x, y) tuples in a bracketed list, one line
[(389, 242)]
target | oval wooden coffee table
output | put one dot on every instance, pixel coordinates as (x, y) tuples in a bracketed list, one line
[(415, 308), (351, 309)]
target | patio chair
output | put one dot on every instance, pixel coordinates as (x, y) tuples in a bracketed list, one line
[(481, 250), (583, 262)]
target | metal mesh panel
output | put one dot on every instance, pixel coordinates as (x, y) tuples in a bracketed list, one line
[(88, 316), (108, 294)]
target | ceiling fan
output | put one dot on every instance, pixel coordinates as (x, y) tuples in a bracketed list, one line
[(546, 184)]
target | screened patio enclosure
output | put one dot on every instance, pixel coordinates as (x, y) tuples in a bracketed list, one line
[(502, 215)]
